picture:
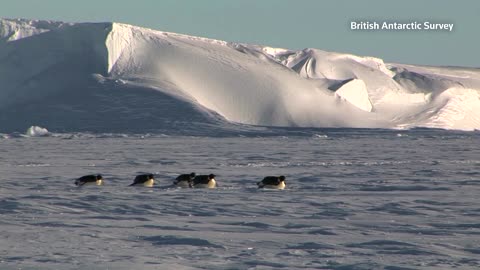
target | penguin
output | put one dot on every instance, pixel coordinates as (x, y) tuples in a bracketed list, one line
[(204, 181), (273, 182), (89, 180), (146, 180), (184, 180)]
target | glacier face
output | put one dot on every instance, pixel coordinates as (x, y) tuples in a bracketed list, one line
[(110, 76)]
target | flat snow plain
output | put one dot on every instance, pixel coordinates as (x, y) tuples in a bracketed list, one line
[(355, 199)]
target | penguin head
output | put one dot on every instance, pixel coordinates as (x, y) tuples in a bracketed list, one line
[(282, 178), (211, 176), (150, 176), (192, 175), (99, 177)]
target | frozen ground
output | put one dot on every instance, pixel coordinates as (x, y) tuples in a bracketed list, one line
[(355, 199)]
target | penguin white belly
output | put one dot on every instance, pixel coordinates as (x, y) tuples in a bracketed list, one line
[(149, 183), (210, 184), (96, 183), (279, 186)]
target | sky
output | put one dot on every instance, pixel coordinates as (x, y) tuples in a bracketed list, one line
[(293, 24)]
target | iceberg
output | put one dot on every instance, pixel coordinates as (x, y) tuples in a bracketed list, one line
[(113, 76), (36, 131)]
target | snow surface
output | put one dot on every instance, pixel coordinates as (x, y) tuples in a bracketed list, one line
[(83, 77), (355, 199)]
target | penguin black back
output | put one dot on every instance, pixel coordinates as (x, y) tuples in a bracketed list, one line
[(185, 177), (205, 181), (89, 179), (184, 180), (143, 179), (276, 182)]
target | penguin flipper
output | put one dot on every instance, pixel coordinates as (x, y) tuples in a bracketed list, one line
[(79, 183)]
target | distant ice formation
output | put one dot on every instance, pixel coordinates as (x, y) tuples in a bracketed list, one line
[(35, 131), (109, 76)]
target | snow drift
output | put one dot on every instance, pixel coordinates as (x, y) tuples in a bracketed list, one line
[(111, 76)]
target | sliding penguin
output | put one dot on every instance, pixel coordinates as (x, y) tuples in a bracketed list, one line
[(89, 180), (273, 182), (204, 181), (146, 180), (184, 180)]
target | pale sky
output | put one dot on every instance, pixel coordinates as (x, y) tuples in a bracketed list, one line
[(294, 24)]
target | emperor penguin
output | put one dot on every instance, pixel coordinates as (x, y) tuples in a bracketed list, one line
[(89, 180), (272, 182), (184, 180), (204, 181), (146, 180)]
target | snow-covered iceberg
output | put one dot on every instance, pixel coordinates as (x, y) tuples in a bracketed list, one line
[(111, 76), (36, 131)]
